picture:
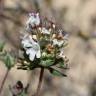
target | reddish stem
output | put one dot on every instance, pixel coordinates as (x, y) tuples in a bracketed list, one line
[(3, 82), (40, 82)]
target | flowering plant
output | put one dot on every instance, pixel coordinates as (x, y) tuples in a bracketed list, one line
[(42, 45)]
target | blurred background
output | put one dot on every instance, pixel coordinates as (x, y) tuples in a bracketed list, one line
[(78, 18)]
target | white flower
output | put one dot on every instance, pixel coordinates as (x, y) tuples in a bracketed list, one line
[(62, 54), (58, 42), (45, 31), (32, 48), (34, 20)]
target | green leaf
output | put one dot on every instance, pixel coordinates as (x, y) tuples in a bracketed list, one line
[(47, 60), (1, 46), (9, 61), (61, 64), (47, 63), (56, 72), (2, 55)]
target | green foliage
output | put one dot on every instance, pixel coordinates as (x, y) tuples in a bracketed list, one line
[(47, 63), (1, 46), (6, 57), (9, 61), (47, 60), (56, 72), (61, 63)]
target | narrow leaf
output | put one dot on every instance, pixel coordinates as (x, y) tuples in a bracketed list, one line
[(56, 72), (1, 46)]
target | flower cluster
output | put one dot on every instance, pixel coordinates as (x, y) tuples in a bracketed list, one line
[(42, 43)]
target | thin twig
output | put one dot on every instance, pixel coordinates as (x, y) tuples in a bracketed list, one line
[(3, 82)]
